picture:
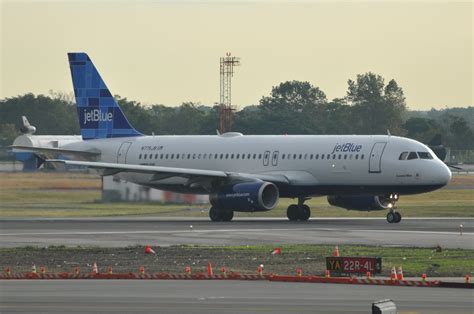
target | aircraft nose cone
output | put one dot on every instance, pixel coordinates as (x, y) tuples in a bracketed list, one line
[(445, 174)]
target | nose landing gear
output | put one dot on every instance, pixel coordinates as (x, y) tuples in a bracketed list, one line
[(394, 217)]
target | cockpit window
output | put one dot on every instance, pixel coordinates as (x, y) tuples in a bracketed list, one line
[(403, 156), (425, 155), (412, 155)]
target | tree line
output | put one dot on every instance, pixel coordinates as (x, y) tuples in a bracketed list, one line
[(370, 106)]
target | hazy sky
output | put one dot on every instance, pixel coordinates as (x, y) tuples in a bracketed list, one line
[(168, 51)]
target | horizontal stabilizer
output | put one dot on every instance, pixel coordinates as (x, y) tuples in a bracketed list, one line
[(51, 151)]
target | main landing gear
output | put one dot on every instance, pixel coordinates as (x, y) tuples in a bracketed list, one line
[(217, 214), (299, 212)]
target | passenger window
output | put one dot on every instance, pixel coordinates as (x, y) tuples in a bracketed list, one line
[(226, 156), (412, 155), (140, 156), (334, 156), (161, 156), (317, 156), (425, 155), (259, 156), (204, 156), (328, 156), (403, 156), (311, 156), (339, 157), (144, 156), (362, 156), (300, 156), (156, 156), (232, 156), (357, 156), (177, 156), (189, 156), (166, 156), (254, 156), (243, 156), (322, 156), (283, 156), (237, 157), (345, 156), (305, 156), (350, 156), (222, 156)]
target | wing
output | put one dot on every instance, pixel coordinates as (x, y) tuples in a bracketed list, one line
[(194, 175)]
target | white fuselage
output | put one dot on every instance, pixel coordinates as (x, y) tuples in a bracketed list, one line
[(314, 164)]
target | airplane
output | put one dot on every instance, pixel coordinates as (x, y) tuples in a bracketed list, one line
[(245, 173)]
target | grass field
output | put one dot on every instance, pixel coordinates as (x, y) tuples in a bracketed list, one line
[(78, 195), (245, 259)]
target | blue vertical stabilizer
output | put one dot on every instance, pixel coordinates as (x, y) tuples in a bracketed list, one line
[(99, 114)]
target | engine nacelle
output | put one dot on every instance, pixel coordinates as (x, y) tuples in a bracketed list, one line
[(246, 197), (361, 202)]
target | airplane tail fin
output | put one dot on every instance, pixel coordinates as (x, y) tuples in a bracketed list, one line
[(99, 114)]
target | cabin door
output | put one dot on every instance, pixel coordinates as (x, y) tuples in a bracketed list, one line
[(122, 152), (375, 160)]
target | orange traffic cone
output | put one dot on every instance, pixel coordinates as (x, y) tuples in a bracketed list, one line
[(393, 274), (187, 270), (467, 278), (141, 270), (423, 277), (260, 270), (33, 269), (336, 251), (109, 270), (368, 275), (400, 273), (149, 250), (8, 271), (327, 274), (209, 269), (95, 269), (299, 272), (77, 270), (42, 270), (223, 271)]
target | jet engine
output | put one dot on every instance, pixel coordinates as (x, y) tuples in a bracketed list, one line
[(246, 197), (363, 202)]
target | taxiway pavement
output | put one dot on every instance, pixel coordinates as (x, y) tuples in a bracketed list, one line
[(124, 231)]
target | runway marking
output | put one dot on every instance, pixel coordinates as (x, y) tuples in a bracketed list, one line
[(233, 230)]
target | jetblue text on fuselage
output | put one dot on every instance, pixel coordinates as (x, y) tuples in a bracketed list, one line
[(346, 148), (96, 115)]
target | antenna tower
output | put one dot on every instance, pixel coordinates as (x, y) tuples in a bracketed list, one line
[(226, 111)]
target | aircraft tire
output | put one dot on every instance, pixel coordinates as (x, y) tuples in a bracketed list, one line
[(391, 217), (292, 212), (304, 213), (398, 217), (215, 214), (227, 215)]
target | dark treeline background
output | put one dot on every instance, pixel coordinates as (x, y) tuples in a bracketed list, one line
[(370, 106)]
